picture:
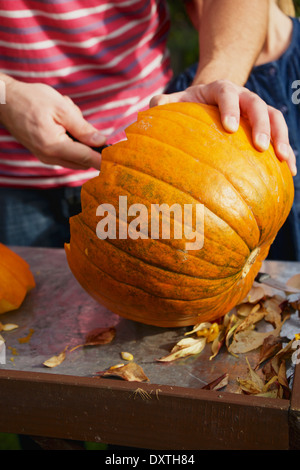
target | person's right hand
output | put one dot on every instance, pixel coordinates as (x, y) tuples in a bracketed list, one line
[(39, 118), (267, 123)]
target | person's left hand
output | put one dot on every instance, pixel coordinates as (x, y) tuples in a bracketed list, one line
[(267, 123)]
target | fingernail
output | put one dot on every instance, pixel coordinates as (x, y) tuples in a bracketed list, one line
[(231, 123), (97, 138), (263, 141), (284, 149)]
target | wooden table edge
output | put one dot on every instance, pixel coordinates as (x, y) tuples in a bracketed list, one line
[(163, 417)]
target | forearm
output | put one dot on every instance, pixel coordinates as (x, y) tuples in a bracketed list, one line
[(231, 36)]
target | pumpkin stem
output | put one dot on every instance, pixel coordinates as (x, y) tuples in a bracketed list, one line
[(250, 261)]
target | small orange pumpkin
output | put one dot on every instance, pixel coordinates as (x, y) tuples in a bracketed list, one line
[(16, 279), (180, 153)]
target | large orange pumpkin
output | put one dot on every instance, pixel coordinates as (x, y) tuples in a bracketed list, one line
[(16, 279), (179, 153)]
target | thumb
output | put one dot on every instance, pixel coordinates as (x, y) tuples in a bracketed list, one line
[(80, 128)]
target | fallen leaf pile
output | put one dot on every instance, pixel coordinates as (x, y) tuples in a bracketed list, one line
[(256, 323), (272, 382)]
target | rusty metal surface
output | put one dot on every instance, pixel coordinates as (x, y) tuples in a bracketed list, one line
[(59, 313)]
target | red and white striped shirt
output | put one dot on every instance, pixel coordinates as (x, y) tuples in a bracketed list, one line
[(109, 57)]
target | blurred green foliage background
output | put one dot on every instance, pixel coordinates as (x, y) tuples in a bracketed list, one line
[(183, 39)]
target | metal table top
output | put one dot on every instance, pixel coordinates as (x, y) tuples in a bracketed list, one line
[(58, 313)]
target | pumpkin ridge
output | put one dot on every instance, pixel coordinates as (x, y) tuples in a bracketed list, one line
[(161, 281), (258, 176), (111, 304), (190, 254), (185, 314), (149, 293), (162, 267), (228, 248), (240, 196), (238, 269), (271, 229), (233, 143), (184, 192)]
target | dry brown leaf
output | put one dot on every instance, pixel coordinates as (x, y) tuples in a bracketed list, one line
[(131, 372), (282, 378), (185, 347), (271, 384), (231, 327), (249, 386), (274, 309), (100, 336), (8, 326), (55, 360), (255, 294), (253, 383), (271, 345), (254, 316), (198, 327), (269, 370), (283, 381), (274, 303), (217, 344), (226, 330), (294, 281), (243, 310), (218, 383), (248, 340), (226, 320), (286, 352)]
